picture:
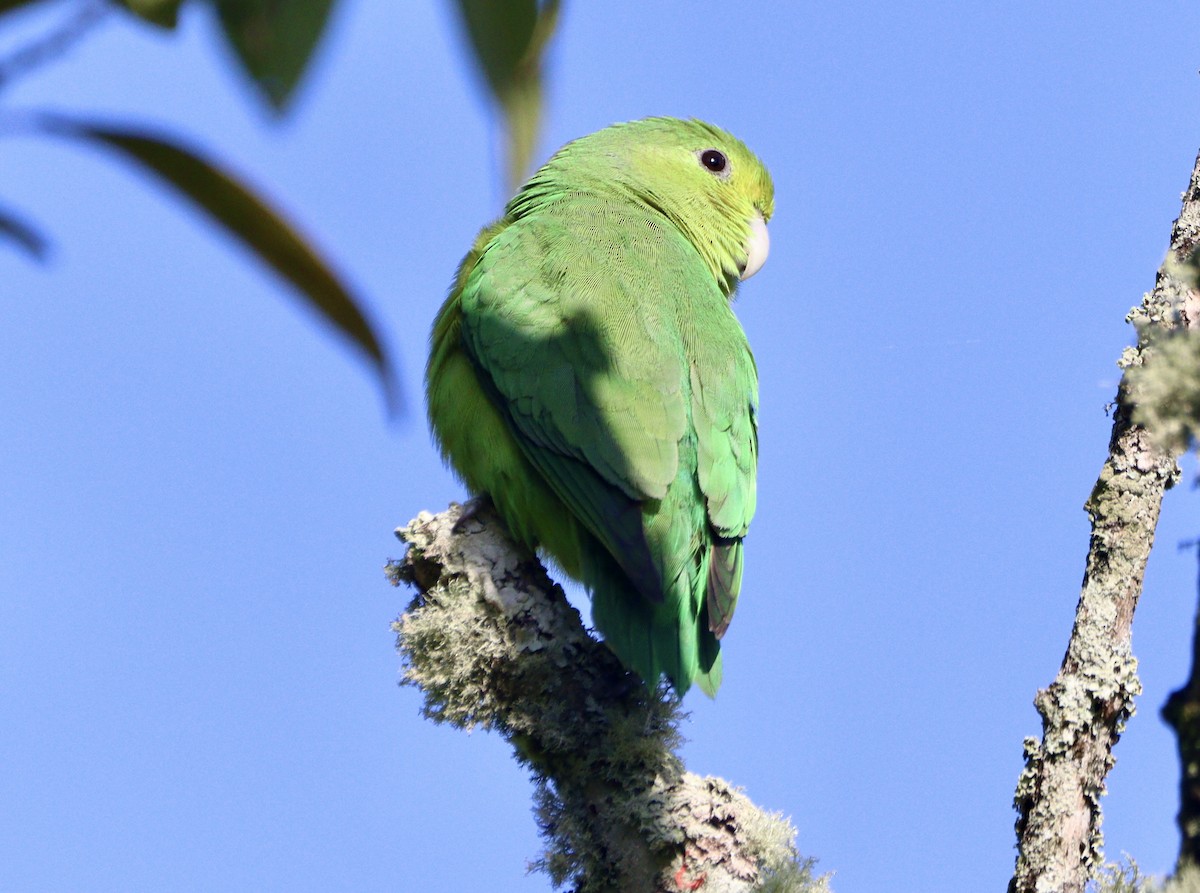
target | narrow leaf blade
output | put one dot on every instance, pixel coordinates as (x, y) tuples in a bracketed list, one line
[(249, 219), (509, 41)]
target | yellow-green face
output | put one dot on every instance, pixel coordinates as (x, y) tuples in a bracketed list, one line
[(715, 188), (710, 186), (702, 158)]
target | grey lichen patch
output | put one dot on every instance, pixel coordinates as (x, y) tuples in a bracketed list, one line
[(1174, 304), (1126, 877), (797, 876), (1028, 782), (1165, 389), (481, 603), (492, 642), (1104, 687), (1163, 371), (1158, 313), (753, 846)]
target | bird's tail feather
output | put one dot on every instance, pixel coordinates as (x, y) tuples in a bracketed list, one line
[(654, 639)]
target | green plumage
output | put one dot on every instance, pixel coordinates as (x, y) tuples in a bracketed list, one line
[(588, 375)]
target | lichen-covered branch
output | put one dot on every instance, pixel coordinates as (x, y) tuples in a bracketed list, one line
[(493, 643), (1085, 709)]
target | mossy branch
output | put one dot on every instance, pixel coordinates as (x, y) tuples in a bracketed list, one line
[(493, 643), (1085, 709)]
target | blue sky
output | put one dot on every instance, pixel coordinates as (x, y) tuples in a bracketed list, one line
[(198, 486)]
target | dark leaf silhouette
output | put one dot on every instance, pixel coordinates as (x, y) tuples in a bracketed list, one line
[(20, 232), (509, 41), (248, 218), (10, 5), (164, 13), (274, 40)]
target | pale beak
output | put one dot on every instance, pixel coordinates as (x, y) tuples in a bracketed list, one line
[(757, 248)]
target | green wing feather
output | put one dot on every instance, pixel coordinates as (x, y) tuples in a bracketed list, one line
[(628, 385)]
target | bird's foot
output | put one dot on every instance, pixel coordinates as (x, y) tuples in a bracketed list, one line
[(472, 508)]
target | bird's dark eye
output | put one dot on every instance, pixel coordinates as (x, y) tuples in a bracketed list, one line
[(713, 160)]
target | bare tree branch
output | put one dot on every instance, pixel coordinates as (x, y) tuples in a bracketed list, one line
[(1085, 709), (493, 643)]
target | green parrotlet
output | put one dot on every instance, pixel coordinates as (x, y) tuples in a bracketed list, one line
[(588, 375)]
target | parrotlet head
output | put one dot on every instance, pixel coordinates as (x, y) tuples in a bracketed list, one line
[(701, 178)]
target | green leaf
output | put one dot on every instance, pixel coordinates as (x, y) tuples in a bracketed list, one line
[(500, 34), (20, 232), (274, 40), (509, 41), (164, 13), (248, 218)]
